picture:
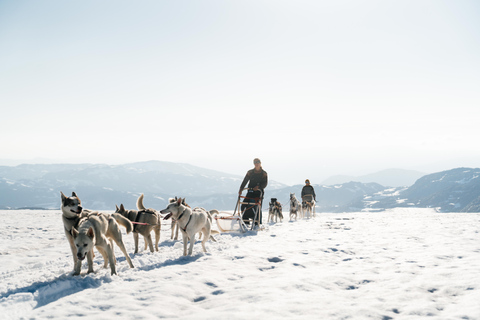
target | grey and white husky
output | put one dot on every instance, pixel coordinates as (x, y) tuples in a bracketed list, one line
[(73, 213), (145, 221), (98, 230)]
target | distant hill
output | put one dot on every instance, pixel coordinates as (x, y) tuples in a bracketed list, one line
[(449, 191), (388, 177), (102, 186)]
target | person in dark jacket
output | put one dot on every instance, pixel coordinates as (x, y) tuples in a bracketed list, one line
[(308, 192), (257, 180)]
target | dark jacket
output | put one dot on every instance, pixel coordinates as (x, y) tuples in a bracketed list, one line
[(255, 179), (309, 190)]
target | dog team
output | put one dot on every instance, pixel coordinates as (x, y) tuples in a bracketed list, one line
[(86, 229)]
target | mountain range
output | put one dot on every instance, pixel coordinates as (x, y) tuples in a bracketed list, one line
[(388, 177), (101, 187)]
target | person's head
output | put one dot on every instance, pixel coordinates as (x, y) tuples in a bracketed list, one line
[(257, 163), (307, 181)]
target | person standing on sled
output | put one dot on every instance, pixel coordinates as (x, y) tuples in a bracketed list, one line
[(257, 180), (308, 193)]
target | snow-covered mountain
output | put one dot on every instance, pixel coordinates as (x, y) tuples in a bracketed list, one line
[(448, 191)]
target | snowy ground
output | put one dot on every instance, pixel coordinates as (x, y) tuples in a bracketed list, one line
[(398, 264)]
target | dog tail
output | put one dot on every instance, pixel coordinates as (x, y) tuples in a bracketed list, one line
[(213, 212), (140, 205), (124, 222)]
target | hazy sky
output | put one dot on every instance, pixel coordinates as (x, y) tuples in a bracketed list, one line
[(313, 88)]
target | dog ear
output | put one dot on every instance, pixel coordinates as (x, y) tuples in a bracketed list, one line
[(122, 208), (74, 194), (63, 196), (179, 201), (117, 208), (74, 233), (90, 233)]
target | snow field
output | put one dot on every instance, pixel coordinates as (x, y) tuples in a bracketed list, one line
[(398, 264)]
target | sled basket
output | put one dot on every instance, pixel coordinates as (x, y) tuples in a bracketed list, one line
[(227, 222)]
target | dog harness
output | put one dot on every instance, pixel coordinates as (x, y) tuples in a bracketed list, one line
[(190, 218)]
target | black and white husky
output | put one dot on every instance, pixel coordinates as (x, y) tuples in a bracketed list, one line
[(275, 210)]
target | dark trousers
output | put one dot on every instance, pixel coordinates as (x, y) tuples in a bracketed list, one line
[(248, 209)]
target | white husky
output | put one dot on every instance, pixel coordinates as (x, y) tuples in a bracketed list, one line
[(190, 222), (295, 207)]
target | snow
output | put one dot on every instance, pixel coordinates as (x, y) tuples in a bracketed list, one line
[(404, 263)]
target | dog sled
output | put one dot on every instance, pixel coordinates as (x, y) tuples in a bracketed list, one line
[(237, 222), (308, 206)]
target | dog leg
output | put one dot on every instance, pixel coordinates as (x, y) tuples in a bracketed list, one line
[(148, 238), (176, 231), (157, 235), (135, 238), (205, 238), (111, 258), (77, 264), (185, 240), (192, 242), (90, 261), (104, 255), (207, 233), (173, 229), (77, 267), (120, 244)]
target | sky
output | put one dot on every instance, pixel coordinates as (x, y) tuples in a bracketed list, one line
[(312, 88)]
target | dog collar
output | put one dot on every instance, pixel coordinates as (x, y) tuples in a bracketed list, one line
[(181, 215)]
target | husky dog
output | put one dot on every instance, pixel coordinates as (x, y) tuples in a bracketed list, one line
[(295, 208), (145, 221), (190, 222), (308, 205), (275, 210), (73, 213), (98, 230), (174, 222)]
